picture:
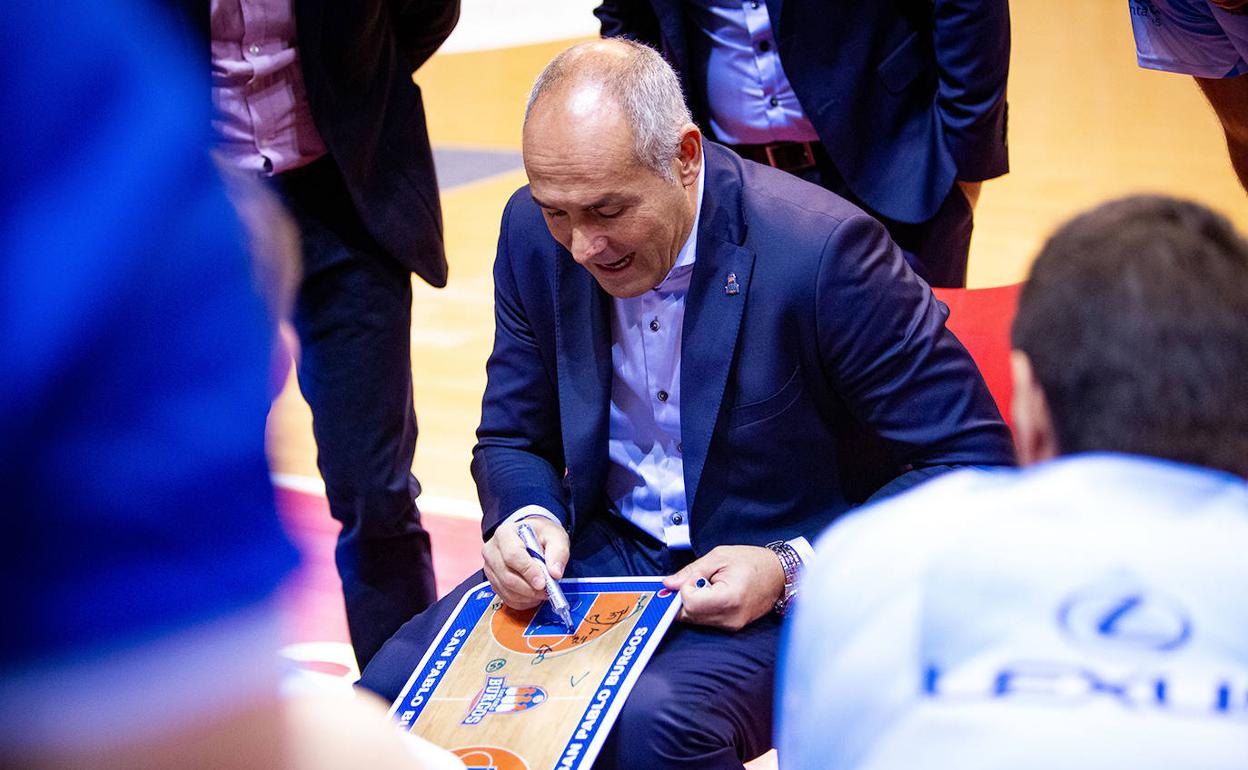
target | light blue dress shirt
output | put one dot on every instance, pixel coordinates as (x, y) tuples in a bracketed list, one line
[(735, 58), (646, 470)]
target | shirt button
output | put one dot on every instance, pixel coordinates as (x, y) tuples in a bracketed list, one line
[(654, 324), (677, 518), (774, 101), (754, 4), (764, 46), (253, 49), (680, 447), (661, 395)]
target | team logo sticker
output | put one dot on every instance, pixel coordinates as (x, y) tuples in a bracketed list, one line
[(1126, 617), (497, 697), (489, 758)]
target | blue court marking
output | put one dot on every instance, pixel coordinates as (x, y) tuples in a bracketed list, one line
[(457, 167), (547, 623)]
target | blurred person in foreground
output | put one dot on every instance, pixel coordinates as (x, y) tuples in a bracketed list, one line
[(1084, 612), (142, 548), (1207, 39), (316, 97)]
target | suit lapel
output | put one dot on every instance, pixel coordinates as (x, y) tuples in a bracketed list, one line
[(713, 310), (583, 350)]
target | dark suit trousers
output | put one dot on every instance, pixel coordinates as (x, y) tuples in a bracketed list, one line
[(703, 701), (353, 316), (936, 249)]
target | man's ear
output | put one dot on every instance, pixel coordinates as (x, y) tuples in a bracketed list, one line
[(689, 155), (1034, 437)]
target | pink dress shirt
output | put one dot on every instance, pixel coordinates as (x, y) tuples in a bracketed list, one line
[(262, 115)]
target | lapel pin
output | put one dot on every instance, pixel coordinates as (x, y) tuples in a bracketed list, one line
[(731, 286)]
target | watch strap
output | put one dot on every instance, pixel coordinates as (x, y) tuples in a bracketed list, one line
[(791, 563)]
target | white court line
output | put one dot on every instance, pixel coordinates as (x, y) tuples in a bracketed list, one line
[(435, 506)]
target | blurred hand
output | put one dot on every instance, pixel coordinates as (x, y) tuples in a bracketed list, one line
[(971, 189), (743, 582), (514, 574)]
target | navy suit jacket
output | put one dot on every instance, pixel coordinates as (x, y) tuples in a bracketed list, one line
[(907, 95), (830, 330)]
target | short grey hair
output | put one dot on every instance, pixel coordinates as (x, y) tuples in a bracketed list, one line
[(641, 82)]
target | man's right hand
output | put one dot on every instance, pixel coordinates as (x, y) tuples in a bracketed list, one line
[(514, 574)]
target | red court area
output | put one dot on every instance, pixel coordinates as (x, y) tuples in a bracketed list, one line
[(311, 597)]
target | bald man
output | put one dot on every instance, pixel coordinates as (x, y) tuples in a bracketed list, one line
[(684, 341)]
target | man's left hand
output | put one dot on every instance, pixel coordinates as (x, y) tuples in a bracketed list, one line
[(743, 582)]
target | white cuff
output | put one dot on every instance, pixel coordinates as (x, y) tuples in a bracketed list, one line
[(536, 510), (805, 551)]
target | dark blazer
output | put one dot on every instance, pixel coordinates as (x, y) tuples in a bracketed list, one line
[(358, 58), (830, 330), (907, 95)]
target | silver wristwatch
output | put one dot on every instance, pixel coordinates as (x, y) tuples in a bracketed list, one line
[(791, 563)]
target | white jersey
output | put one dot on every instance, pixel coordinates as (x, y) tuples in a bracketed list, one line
[(1090, 612)]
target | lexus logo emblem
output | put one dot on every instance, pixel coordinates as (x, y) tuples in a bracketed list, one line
[(1138, 619)]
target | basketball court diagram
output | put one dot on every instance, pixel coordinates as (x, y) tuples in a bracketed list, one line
[(499, 684)]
